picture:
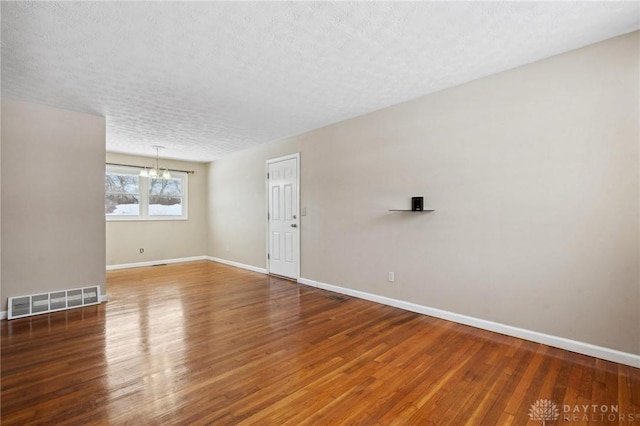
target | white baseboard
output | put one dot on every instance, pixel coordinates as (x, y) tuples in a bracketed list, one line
[(155, 262), (236, 264), (534, 336), (186, 259)]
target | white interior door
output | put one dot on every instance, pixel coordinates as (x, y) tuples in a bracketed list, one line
[(283, 245)]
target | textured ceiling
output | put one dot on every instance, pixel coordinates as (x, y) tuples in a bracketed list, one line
[(206, 79)]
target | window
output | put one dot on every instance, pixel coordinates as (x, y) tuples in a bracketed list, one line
[(165, 197), (121, 194), (128, 196)]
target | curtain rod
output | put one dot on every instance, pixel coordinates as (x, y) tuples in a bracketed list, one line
[(146, 167)]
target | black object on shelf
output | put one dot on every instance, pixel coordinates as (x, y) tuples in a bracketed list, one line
[(417, 204)]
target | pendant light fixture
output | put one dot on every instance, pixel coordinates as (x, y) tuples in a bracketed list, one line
[(154, 172)]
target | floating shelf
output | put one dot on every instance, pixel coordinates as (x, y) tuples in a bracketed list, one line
[(416, 206)]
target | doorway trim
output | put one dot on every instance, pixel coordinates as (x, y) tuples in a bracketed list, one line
[(266, 213)]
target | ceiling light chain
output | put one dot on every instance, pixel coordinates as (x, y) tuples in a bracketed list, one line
[(154, 171)]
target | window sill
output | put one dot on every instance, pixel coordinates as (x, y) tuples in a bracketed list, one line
[(145, 219)]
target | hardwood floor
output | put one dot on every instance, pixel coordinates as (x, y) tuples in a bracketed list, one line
[(205, 343)]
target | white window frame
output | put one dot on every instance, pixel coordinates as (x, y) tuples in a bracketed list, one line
[(143, 188)]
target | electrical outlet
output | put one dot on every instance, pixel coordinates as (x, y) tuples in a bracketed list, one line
[(392, 277), (303, 211)]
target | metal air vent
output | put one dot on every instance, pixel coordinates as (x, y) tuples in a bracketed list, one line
[(41, 303)]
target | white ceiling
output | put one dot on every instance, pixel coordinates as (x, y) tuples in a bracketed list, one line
[(206, 79)]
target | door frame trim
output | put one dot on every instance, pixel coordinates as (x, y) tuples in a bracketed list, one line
[(266, 213)]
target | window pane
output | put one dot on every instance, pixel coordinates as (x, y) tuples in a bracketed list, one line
[(121, 195), (166, 187), (165, 197), (121, 184)]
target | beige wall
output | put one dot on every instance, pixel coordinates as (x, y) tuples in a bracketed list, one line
[(53, 232), (237, 204), (534, 175), (161, 240)]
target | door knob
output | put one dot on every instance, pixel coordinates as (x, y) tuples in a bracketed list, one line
[(293, 225)]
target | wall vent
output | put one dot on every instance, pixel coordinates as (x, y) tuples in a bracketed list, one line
[(42, 303)]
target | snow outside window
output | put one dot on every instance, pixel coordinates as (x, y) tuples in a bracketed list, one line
[(129, 196)]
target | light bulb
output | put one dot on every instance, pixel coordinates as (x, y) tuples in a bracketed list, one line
[(166, 174), (153, 173)]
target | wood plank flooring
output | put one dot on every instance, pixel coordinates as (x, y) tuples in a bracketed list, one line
[(205, 343)]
